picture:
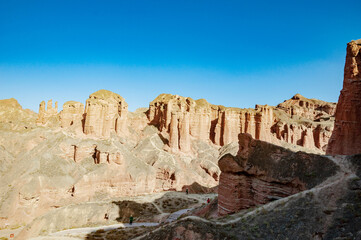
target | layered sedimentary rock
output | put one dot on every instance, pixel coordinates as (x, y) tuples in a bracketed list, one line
[(299, 121), (105, 112), (313, 109), (260, 172), (346, 137), (72, 115), (45, 114)]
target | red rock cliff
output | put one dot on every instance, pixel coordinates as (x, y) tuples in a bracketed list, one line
[(299, 121), (346, 137), (261, 172)]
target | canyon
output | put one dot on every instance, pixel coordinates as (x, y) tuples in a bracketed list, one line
[(286, 161)]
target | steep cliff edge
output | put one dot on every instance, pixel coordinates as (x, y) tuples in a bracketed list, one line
[(346, 137)]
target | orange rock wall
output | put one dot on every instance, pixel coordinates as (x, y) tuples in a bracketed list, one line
[(346, 137)]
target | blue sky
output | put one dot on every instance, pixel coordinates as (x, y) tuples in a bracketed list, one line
[(233, 53)]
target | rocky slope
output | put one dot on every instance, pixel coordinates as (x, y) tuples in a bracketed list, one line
[(52, 160), (100, 150), (261, 172), (330, 210), (346, 138)]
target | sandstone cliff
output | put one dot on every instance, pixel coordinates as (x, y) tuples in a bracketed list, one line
[(47, 113), (298, 121), (55, 165), (72, 115), (261, 172), (105, 113), (346, 137)]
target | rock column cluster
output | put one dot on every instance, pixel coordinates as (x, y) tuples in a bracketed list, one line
[(105, 113), (261, 172), (45, 114), (299, 121)]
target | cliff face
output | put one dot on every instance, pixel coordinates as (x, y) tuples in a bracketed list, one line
[(105, 112), (346, 137), (47, 114), (72, 115), (299, 121), (261, 172)]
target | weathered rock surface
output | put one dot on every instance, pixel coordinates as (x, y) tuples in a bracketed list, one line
[(72, 115), (49, 167), (47, 113), (14, 117), (261, 172), (105, 113), (298, 121), (346, 137), (330, 210)]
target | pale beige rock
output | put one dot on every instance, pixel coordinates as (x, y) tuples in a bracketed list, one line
[(184, 133), (72, 115), (105, 113), (48, 115)]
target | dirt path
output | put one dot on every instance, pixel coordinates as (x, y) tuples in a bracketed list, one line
[(336, 181)]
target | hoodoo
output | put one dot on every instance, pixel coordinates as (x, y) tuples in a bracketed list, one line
[(346, 137)]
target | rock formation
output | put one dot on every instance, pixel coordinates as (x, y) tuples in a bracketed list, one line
[(346, 137), (105, 113), (72, 115), (330, 210), (14, 117), (47, 114), (261, 172), (299, 121)]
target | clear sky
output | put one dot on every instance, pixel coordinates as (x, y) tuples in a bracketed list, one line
[(233, 53)]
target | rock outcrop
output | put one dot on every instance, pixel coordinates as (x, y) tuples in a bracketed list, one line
[(105, 113), (72, 115), (47, 114), (331, 210), (298, 121), (261, 172), (346, 137), (14, 117)]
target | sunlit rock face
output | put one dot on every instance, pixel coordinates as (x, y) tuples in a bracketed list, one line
[(257, 172), (299, 121), (99, 149), (72, 116), (47, 113), (105, 113), (346, 137)]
